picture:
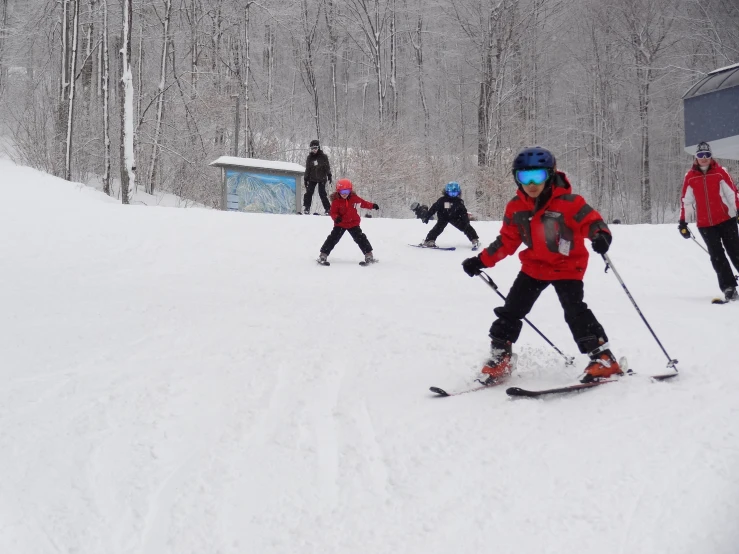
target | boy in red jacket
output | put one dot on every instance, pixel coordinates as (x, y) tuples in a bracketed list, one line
[(711, 199), (346, 218), (553, 223)]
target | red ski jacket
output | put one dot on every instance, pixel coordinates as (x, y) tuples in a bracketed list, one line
[(343, 209), (708, 198), (553, 227)]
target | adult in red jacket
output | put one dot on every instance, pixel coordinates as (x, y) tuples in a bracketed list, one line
[(553, 223), (346, 218), (710, 198)]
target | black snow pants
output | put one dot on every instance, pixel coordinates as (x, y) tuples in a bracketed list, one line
[(462, 225), (525, 290), (335, 236), (719, 237), (310, 187)]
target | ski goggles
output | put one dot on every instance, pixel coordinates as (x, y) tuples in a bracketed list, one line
[(532, 176), (314, 147), (452, 193), (703, 155), (345, 191)]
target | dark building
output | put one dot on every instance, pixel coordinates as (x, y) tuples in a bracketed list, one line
[(711, 109)]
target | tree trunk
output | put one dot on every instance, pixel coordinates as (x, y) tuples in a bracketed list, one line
[(128, 164), (3, 27), (333, 42), (106, 100), (646, 186), (247, 120), (160, 98), (418, 47), (309, 36), (394, 66), (70, 99)]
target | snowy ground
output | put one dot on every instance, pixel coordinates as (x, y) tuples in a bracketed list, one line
[(191, 381)]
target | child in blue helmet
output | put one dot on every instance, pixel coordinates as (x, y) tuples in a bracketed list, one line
[(450, 209)]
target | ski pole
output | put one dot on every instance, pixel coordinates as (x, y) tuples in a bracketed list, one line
[(692, 236), (671, 361), (569, 360)]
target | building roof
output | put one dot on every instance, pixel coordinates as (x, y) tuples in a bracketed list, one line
[(253, 163), (719, 79)]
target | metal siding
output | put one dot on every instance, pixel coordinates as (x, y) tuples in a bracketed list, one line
[(715, 81), (712, 116)]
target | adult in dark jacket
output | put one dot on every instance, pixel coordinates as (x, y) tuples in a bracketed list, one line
[(711, 199), (450, 209), (317, 172)]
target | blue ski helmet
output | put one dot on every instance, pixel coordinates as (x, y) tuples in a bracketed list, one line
[(535, 157), (452, 189)]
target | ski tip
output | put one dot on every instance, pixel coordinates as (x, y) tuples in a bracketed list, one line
[(719, 301), (516, 391), (437, 390), (664, 376)]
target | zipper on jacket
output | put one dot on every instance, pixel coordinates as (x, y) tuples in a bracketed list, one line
[(708, 204)]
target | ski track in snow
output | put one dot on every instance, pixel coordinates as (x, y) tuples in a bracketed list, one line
[(191, 382)]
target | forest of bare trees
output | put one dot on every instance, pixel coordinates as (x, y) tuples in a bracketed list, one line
[(404, 94)]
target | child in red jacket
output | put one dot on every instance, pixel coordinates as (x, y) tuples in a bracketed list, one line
[(346, 218), (553, 223)]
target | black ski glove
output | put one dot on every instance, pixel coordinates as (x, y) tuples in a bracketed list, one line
[(337, 220), (375, 207), (473, 266), (601, 242), (684, 231), (425, 220)]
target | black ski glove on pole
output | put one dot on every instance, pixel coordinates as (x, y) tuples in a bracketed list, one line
[(473, 266), (375, 207), (684, 231), (337, 220), (601, 242)]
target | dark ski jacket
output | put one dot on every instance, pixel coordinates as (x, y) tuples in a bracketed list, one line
[(317, 168), (343, 210), (710, 198), (553, 227), (449, 208)]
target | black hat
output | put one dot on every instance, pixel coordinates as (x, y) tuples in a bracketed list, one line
[(703, 147), (315, 142)]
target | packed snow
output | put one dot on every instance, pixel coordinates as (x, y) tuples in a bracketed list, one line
[(191, 381)]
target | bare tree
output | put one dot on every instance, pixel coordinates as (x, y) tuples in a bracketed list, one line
[(371, 17), (165, 19), (304, 49), (3, 31), (105, 78), (331, 14), (71, 78), (411, 94), (128, 162), (645, 27), (416, 40)]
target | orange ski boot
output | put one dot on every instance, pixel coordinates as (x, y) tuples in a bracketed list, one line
[(602, 365), (501, 362)]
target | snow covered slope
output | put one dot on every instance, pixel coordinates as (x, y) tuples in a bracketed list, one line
[(189, 381)]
